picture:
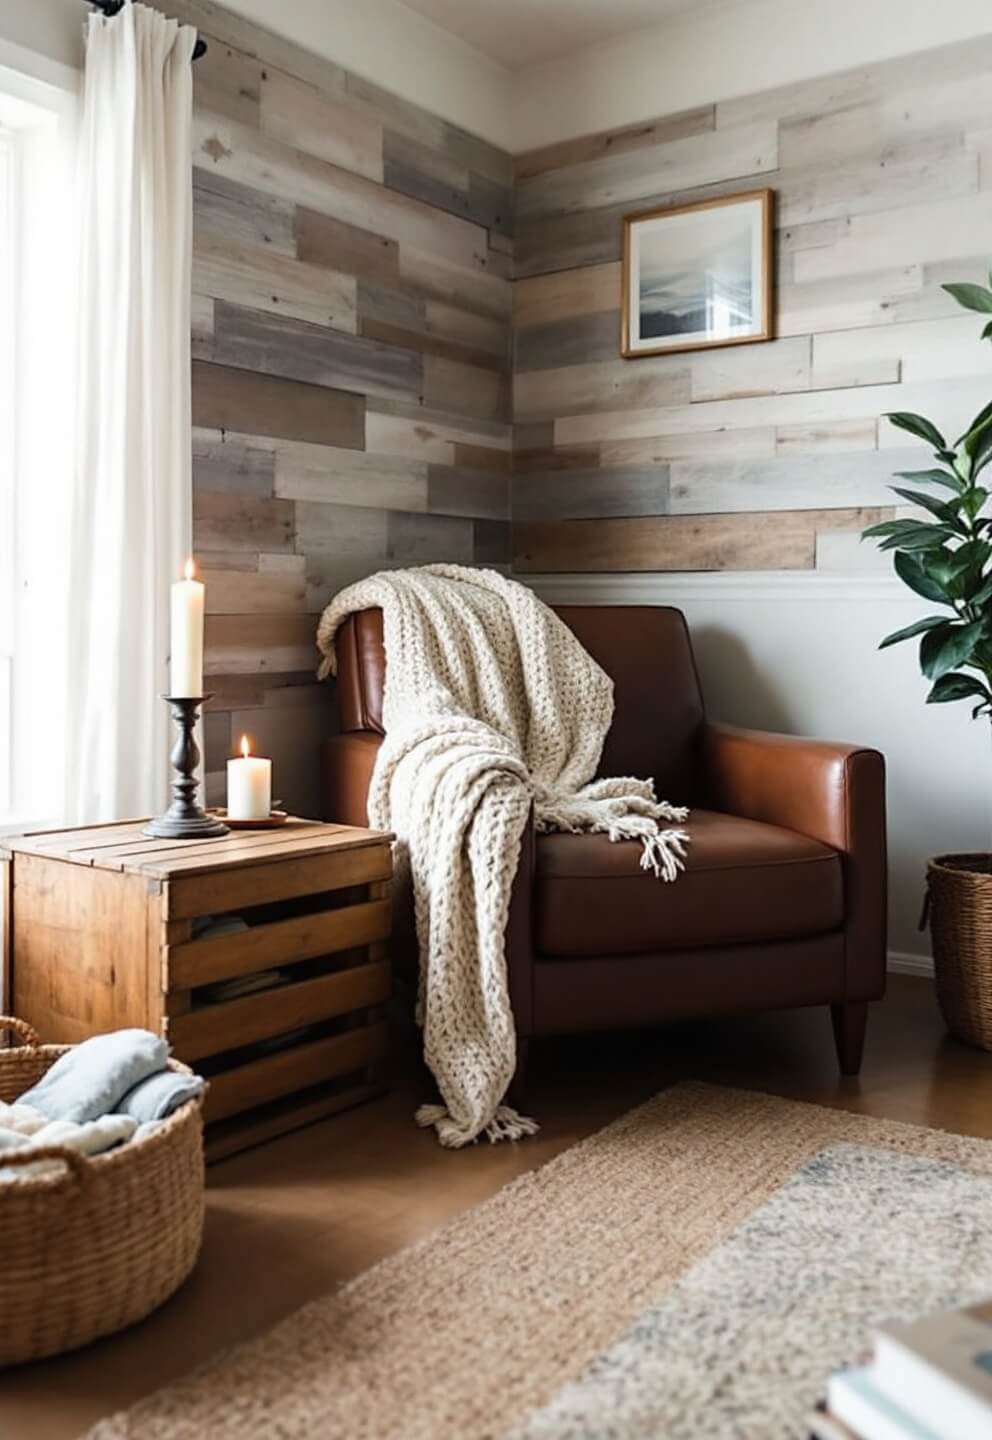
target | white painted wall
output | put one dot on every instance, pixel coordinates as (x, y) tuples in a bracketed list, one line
[(691, 60), (51, 28), (701, 58), (799, 654), (385, 41)]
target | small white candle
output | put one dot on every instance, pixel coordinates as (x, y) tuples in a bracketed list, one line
[(249, 786), (186, 658)]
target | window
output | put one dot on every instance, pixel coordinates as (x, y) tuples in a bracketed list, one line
[(37, 123), (6, 460)]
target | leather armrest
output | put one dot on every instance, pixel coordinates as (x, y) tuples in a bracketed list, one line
[(834, 794), (346, 763)]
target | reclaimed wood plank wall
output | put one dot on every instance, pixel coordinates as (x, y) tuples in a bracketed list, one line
[(351, 376), (763, 457)]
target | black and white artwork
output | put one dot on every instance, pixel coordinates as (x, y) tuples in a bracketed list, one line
[(698, 275)]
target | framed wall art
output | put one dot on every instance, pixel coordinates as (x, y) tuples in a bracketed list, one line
[(696, 276)]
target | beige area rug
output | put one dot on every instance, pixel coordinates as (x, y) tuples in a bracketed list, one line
[(695, 1269)]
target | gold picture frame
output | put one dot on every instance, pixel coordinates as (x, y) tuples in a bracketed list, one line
[(667, 306)]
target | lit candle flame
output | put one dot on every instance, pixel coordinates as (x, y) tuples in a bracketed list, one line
[(245, 747), (189, 570)]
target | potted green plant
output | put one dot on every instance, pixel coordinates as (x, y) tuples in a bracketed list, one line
[(946, 558)]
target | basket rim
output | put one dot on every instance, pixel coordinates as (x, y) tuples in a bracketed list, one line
[(952, 860), (122, 1155)]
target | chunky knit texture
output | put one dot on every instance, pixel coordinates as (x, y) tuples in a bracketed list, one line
[(491, 706)]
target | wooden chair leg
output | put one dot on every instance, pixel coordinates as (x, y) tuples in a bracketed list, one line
[(849, 1022), (518, 1085)]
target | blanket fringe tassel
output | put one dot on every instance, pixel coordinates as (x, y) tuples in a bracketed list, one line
[(506, 1124)]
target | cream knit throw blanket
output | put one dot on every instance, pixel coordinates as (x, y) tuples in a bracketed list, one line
[(491, 705)]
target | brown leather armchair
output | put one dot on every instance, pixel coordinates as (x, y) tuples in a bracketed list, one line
[(783, 898)]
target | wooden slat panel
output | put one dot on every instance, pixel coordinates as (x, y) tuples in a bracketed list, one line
[(676, 165), (682, 542), (322, 240), (839, 481), (320, 125), (251, 39), (353, 863), (204, 962), (226, 398), (573, 340), (314, 354), (223, 209), (582, 494), (453, 490), (239, 153), (350, 477), (957, 401), (229, 463), (425, 539), (543, 299), (213, 1029), (268, 643), (433, 442), (610, 385), (228, 81), (467, 389), (230, 592), (291, 1070), (615, 142), (242, 522), (265, 280)]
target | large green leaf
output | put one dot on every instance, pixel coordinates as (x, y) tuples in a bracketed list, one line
[(919, 426), (957, 687), (912, 573), (933, 477), (909, 632), (888, 529), (984, 414), (918, 537), (943, 509), (947, 646), (972, 297)]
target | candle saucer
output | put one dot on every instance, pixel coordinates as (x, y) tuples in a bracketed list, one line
[(273, 819)]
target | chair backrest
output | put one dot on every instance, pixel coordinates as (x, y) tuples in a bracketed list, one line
[(645, 649)]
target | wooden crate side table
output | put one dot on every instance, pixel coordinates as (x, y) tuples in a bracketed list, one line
[(103, 931)]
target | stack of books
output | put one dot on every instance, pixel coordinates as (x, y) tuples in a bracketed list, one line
[(929, 1380)]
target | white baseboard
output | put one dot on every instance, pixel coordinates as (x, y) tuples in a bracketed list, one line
[(902, 963)]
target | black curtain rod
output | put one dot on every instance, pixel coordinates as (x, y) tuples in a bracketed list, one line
[(114, 7)]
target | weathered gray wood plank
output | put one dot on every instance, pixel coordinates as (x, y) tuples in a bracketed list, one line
[(584, 494), (228, 398), (295, 350), (682, 542)]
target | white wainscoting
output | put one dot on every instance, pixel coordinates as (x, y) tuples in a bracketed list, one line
[(799, 653)]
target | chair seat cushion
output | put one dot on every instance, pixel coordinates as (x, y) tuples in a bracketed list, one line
[(743, 882)]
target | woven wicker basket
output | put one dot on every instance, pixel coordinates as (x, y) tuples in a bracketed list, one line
[(959, 895), (100, 1243)]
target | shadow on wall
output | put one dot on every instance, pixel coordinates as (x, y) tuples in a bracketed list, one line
[(736, 690)]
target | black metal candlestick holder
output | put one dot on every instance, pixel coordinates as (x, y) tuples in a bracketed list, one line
[(184, 819)]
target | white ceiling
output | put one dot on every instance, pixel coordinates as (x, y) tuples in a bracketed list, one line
[(519, 33)]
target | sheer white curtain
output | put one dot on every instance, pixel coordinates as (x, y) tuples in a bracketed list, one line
[(131, 512)]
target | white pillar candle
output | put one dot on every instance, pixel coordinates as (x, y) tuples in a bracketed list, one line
[(186, 652), (249, 786)]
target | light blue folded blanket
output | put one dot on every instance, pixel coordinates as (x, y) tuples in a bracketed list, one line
[(91, 1079), (159, 1095)]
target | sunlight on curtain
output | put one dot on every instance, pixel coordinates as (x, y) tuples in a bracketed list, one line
[(131, 516)]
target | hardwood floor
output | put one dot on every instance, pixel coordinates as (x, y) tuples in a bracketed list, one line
[(290, 1220)]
